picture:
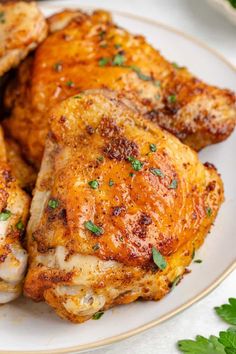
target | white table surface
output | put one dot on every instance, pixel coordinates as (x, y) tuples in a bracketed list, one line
[(197, 18)]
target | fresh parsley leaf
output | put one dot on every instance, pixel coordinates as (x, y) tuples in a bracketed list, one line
[(98, 315), (208, 211), (2, 17), (228, 338), (201, 345), (158, 259), (93, 184), (53, 203), (58, 67), (117, 46), (96, 246), (20, 226), (193, 254), (78, 97), (173, 185), (153, 147), (156, 172), (97, 230), (176, 281), (228, 312), (70, 83), (136, 164), (233, 3), (111, 183), (230, 350), (118, 60), (100, 158), (5, 215), (198, 261), (172, 98), (103, 61), (131, 174)]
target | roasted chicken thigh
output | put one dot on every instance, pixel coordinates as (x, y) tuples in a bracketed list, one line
[(22, 28), (119, 208), (91, 52), (14, 207)]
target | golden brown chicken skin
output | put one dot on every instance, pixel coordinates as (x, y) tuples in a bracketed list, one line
[(14, 208), (113, 189), (92, 52), (22, 28)]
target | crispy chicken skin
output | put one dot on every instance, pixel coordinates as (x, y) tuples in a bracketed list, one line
[(22, 28), (14, 207), (24, 173), (91, 52), (150, 191)]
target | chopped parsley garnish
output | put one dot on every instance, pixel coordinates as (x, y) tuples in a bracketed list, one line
[(57, 67), (97, 230), (98, 315), (173, 185), (208, 211), (5, 215), (53, 203), (140, 74), (158, 259), (117, 46), (118, 60), (198, 261), (172, 98), (96, 246), (157, 83), (136, 164), (100, 158), (78, 97), (193, 254), (156, 172), (70, 83), (20, 226), (157, 97), (176, 281), (228, 312), (103, 61), (131, 174), (176, 66), (93, 184), (2, 17), (111, 183), (101, 34), (153, 147)]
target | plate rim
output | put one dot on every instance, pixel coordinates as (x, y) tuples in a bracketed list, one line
[(206, 291)]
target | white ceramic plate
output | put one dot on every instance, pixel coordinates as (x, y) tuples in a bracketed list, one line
[(34, 328), (224, 7)]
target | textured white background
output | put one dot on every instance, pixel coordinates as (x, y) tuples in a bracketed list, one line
[(197, 18)]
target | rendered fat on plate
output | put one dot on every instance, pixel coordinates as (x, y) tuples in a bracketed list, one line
[(89, 51), (14, 207), (114, 190)]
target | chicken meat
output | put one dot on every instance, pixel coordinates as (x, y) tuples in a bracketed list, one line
[(119, 208), (22, 28), (91, 52), (14, 208)]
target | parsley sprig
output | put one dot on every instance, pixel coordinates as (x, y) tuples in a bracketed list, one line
[(225, 343)]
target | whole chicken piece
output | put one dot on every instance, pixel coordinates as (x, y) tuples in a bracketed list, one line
[(91, 52), (14, 208), (22, 28), (119, 208)]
